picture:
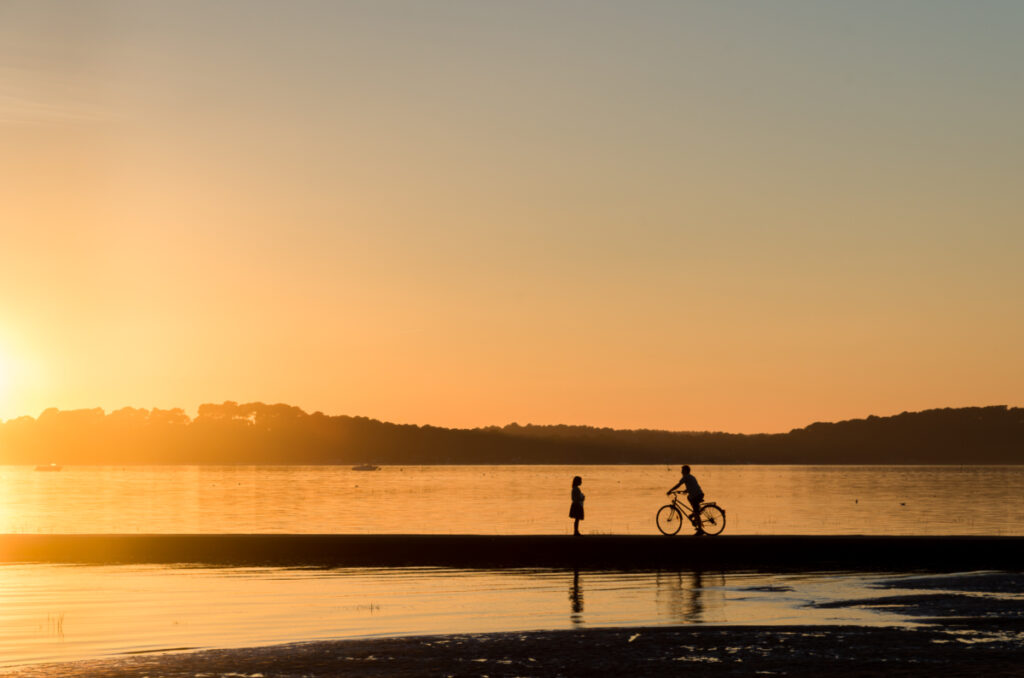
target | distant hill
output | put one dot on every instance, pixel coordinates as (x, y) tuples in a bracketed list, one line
[(256, 433)]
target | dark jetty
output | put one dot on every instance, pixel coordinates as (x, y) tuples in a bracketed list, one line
[(726, 552)]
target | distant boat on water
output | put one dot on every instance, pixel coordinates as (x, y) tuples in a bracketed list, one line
[(366, 467), (49, 467)]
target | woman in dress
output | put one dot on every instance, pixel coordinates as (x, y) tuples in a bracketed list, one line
[(576, 510)]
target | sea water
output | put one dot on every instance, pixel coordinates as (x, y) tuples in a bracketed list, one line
[(893, 500), (53, 612), (65, 613)]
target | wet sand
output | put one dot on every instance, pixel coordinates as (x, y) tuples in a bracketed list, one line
[(724, 552), (838, 651)]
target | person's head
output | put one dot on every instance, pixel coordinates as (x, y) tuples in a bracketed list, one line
[(577, 481), (685, 470)]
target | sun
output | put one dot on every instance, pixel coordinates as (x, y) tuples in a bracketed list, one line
[(9, 373), (22, 376), (6, 374)]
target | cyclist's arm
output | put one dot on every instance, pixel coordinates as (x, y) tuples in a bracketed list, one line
[(674, 487)]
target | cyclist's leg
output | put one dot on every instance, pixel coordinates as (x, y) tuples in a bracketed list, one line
[(695, 504)]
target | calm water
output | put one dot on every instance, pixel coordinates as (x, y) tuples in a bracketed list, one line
[(63, 613), (506, 499)]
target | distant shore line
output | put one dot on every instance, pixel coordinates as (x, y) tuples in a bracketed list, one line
[(348, 465), (258, 433), (726, 552)]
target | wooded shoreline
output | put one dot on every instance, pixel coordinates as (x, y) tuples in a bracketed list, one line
[(259, 434)]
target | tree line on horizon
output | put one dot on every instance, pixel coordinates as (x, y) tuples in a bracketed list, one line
[(258, 433)]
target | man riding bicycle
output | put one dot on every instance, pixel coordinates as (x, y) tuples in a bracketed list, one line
[(693, 493)]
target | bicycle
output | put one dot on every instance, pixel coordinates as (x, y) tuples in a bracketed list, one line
[(670, 517)]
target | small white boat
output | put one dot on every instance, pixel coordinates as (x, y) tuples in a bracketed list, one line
[(366, 467), (49, 467)]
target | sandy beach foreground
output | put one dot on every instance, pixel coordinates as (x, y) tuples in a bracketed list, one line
[(705, 651)]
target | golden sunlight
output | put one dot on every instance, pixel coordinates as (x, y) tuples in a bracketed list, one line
[(5, 376), (10, 377)]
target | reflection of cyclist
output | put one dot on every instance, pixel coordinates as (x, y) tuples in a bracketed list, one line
[(693, 493)]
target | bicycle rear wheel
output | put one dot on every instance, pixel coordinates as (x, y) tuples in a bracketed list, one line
[(669, 519), (712, 519)]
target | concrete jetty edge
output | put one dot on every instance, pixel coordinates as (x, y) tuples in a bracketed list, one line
[(725, 552)]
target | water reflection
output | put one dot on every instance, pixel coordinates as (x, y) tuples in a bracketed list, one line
[(59, 612), (690, 597), (576, 600)]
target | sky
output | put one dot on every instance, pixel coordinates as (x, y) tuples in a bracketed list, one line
[(741, 217)]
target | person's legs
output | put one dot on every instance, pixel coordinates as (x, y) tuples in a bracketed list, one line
[(576, 527), (695, 503)]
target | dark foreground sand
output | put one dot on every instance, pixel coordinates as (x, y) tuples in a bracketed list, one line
[(705, 651), (970, 625)]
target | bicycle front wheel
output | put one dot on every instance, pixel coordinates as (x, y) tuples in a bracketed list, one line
[(712, 519), (669, 519)]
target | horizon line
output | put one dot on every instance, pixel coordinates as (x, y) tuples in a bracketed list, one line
[(510, 424)]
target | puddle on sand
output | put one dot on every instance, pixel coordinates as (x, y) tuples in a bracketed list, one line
[(971, 607)]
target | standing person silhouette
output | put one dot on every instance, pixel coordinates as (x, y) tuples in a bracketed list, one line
[(693, 493), (576, 510)]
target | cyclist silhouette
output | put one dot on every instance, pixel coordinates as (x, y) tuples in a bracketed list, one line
[(693, 493)]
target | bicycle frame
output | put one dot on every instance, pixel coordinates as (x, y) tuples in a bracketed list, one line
[(684, 507), (708, 518)]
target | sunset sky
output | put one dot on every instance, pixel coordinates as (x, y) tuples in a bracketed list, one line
[(694, 216)]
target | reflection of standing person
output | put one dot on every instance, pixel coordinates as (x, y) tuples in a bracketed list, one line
[(693, 493), (576, 599), (576, 510)]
